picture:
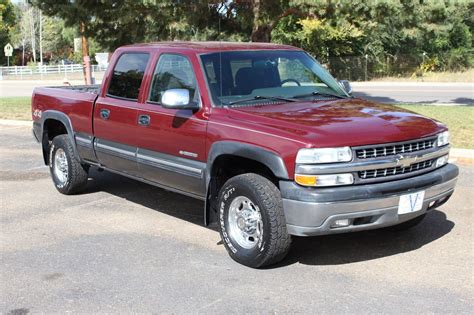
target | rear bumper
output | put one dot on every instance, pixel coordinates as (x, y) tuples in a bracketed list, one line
[(311, 211)]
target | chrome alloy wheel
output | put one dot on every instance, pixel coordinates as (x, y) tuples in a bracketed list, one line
[(245, 222), (60, 166)]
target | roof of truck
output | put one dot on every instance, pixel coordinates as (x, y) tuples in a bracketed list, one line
[(214, 46)]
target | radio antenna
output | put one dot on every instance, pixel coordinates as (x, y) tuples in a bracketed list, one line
[(220, 55)]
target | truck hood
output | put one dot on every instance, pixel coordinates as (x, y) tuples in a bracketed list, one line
[(345, 122)]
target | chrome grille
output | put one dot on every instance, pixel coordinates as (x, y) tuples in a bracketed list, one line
[(384, 172), (393, 149)]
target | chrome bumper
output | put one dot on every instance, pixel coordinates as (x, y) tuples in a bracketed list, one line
[(311, 212)]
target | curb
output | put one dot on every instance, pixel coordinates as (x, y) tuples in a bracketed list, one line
[(11, 122), (462, 156)]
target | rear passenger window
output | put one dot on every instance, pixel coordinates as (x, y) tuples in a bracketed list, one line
[(128, 75), (173, 72)]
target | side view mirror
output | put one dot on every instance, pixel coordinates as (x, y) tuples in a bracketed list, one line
[(177, 99), (346, 85)]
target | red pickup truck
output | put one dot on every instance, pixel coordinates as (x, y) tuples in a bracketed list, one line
[(263, 133)]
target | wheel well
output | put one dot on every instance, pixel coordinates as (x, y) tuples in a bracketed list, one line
[(225, 167), (51, 129)]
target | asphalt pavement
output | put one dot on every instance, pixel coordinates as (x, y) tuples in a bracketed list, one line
[(124, 246), (416, 92)]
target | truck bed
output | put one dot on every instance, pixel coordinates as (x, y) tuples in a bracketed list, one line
[(77, 102), (95, 89)]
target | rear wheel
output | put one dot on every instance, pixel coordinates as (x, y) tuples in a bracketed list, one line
[(68, 174), (251, 221)]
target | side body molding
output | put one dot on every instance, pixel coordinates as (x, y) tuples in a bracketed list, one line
[(38, 128), (273, 161)]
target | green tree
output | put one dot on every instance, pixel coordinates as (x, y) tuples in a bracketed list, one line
[(77, 14), (7, 21), (390, 36), (435, 34), (58, 39)]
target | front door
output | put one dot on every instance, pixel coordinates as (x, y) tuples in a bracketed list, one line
[(171, 143), (115, 114)]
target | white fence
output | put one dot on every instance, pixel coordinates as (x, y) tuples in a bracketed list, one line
[(45, 70)]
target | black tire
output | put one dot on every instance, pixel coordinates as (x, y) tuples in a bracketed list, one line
[(407, 225), (77, 174), (274, 242)]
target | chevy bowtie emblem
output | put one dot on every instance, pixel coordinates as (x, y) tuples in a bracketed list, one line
[(405, 161)]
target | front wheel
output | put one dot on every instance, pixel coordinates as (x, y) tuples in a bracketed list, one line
[(251, 221), (68, 174)]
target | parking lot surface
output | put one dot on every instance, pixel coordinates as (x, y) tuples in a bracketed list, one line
[(130, 247)]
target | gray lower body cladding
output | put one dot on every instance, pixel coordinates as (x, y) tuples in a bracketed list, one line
[(312, 211)]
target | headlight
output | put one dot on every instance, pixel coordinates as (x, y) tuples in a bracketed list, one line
[(324, 180), (325, 155), (443, 138)]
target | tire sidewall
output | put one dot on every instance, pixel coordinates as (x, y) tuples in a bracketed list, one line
[(255, 256), (59, 143)]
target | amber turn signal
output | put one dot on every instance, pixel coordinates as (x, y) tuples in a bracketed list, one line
[(306, 180), (324, 180)]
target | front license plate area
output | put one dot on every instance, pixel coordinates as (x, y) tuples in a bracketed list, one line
[(411, 202)]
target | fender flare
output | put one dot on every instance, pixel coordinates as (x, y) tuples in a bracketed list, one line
[(64, 119), (253, 152)]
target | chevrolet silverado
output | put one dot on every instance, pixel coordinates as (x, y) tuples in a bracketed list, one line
[(272, 143)]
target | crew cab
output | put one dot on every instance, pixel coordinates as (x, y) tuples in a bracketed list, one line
[(273, 144)]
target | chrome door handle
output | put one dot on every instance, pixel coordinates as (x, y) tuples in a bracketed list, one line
[(104, 114), (143, 120)]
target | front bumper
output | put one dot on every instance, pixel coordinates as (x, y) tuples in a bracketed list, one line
[(313, 211)]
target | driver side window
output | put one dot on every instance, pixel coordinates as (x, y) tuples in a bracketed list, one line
[(172, 72)]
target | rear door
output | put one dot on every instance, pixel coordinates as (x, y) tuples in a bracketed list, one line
[(115, 114), (171, 143)]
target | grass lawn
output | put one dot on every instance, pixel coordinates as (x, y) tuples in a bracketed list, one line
[(461, 76), (460, 119), (18, 108)]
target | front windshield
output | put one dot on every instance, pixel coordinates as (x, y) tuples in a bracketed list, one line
[(249, 76)]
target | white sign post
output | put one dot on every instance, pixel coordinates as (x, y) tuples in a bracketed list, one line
[(8, 50)]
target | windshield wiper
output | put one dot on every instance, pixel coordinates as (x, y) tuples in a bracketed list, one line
[(315, 93), (262, 97)]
